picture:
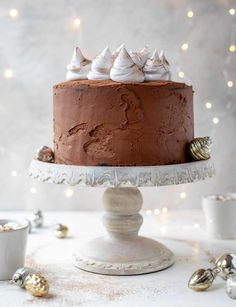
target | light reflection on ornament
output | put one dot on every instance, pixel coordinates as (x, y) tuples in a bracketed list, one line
[(181, 74)]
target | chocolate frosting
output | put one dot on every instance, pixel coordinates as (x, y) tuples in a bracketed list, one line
[(118, 124)]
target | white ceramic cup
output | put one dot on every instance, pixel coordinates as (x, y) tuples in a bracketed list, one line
[(12, 248), (220, 215)]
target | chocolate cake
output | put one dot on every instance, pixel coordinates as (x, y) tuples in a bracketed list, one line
[(102, 122)]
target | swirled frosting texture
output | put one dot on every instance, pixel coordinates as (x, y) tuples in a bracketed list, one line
[(157, 67), (78, 67), (125, 70), (101, 66), (119, 124)]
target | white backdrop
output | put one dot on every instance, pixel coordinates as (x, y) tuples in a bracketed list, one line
[(35, 46)]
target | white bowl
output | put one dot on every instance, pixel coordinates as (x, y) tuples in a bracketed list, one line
[(12, 248), (220, 215)]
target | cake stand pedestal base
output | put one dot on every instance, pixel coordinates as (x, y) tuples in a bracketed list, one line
[(123, 252)]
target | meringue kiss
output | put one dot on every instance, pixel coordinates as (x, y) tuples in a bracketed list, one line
[(78, 67), (156, 68), (141, 57), (124, 69), (101, 66)]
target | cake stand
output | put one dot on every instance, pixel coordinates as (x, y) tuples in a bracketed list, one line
[(122, 251)]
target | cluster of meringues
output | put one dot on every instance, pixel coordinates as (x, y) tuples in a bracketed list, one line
[(120, 66)]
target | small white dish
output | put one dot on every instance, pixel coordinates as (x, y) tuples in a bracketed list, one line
[(12, 248), (220, 215)]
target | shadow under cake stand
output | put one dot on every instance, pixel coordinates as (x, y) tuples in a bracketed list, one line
[(122, 251)]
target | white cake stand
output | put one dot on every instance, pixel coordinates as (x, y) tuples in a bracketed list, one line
[(122, 251)]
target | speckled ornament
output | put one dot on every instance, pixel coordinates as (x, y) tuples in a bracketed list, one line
[(200, 148), (36, 284), (45, 154), (61, 231)]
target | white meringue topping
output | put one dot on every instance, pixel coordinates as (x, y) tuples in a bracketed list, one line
[(101, 66), (124, 69), (117, 51), (120, 66), (157, 67), (78, 67), (141, 57), (163, 59)]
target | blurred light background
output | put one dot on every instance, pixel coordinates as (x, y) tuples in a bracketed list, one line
[(37, 40)]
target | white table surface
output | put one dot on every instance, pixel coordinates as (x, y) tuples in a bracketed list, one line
[(182, 231)]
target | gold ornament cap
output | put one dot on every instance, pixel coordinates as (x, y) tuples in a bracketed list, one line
[(45, 154), (20, 275), (37, 285)]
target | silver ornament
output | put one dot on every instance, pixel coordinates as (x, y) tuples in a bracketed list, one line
[(201, 279), (45, 154), (231, 286), (200, 148), (20, 275), (37, 219), (227, 264)]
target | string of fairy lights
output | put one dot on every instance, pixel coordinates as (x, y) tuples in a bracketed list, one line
[(8, 74)]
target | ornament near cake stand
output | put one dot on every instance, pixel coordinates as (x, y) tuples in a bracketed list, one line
[(122, 251)]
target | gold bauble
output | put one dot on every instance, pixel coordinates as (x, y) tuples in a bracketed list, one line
[(45, 154), (61, 231), (201, 280), (36, 284), (200, 148)]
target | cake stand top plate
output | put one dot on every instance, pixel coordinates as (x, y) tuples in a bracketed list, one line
[(123, 176)]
